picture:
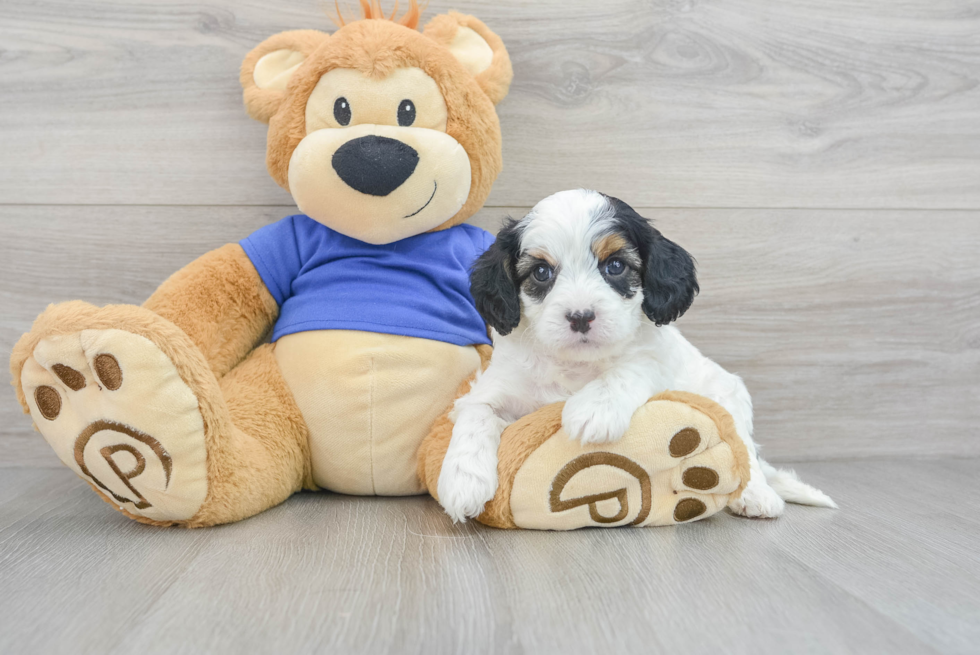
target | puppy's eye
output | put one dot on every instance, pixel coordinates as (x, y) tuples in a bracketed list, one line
[(406, 113), (615, 267), (542, 272), (341, 111)]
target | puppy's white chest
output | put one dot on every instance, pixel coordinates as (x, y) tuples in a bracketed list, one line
[(563, 382)]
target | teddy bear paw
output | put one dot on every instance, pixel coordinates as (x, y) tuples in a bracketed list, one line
[(677, 462), (117, 412)]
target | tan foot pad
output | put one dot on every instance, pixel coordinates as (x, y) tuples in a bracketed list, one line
[(679, 461), (116, 411)]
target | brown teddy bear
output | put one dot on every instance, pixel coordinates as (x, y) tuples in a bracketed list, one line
[(182, 412)]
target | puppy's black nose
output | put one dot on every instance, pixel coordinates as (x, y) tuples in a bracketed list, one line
[(375, 165), (579, 321)]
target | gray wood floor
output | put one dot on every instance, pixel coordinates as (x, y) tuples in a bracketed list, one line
[(894, 571)]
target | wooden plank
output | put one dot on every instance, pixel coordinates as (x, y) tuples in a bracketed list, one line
[(902, 526), (890, 572), (856, 331), (801, 103)]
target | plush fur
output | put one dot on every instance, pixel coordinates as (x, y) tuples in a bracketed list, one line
[(371, 9), (262, 104), (376, 48), (266, 446), (525, 435), (219, 301), (580, 292), (255, 436), (211, 318), (495, 80)]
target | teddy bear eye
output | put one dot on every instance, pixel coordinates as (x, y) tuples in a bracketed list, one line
[(341, 111), (406, 113)]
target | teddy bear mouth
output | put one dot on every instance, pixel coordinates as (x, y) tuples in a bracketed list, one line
[(435, 186)]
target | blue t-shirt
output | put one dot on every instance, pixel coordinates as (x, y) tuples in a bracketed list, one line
[(416, 287)]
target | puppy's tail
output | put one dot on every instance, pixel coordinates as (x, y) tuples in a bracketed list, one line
[(790, 488)]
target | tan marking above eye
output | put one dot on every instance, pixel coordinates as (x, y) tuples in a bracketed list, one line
[(376, 101), (543, 255), (608, 245)]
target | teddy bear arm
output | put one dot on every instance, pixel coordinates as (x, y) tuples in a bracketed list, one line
[(221, 303)]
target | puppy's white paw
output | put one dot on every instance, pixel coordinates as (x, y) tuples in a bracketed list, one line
[(758, 501), (465, 487), (592, 416)]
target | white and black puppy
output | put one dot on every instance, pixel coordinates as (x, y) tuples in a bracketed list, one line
[(579, 294)]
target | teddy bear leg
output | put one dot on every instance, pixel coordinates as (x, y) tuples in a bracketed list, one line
[(263, 455), (681, 460), (130, 404), (221, 303)]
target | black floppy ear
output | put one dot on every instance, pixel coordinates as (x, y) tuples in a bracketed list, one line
[(493, 281), (670, 280)]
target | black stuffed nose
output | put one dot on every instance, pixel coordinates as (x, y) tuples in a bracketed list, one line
[(579, 321), (375, 165)]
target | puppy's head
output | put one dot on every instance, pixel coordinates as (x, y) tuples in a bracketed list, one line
[(583, 271)]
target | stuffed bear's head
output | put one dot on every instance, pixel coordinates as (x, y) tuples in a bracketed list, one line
[(380, 131)]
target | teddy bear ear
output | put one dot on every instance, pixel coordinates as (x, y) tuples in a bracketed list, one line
[(269, 66), (479, 50)]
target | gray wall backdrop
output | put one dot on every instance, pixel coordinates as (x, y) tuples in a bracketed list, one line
[(820, 159)]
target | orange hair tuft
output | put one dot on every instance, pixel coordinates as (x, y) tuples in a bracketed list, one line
[(371, 9)]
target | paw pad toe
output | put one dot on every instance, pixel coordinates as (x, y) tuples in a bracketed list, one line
[(689, 508), (48, 402), (684, 442), (700, 477), (109, 372), (72, 378)]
